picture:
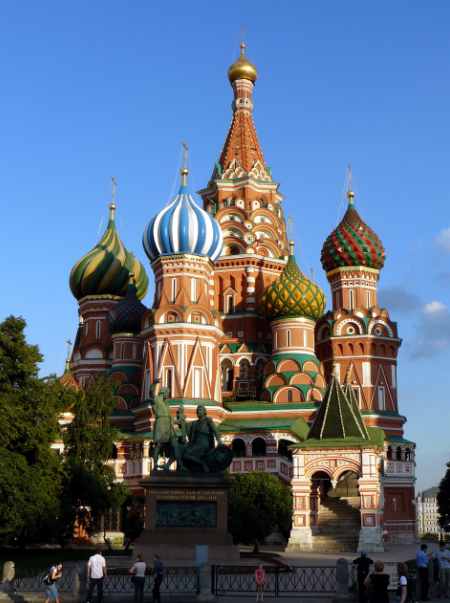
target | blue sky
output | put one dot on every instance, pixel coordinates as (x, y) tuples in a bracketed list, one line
[(97, 89)]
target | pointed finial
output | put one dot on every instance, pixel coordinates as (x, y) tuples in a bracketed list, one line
[(242, 35), (112, 207), (312, 273), (350, 193), (291, 241), (184, 171), (347, 374), (69, 343)]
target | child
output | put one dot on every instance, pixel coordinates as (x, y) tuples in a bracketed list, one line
[(260, 573)]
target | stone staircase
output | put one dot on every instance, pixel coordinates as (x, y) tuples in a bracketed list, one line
[(340, 522)]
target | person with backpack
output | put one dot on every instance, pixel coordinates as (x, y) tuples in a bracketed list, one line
[(50, 580)]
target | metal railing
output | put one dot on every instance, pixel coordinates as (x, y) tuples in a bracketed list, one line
[(282, 581), (177, 580)]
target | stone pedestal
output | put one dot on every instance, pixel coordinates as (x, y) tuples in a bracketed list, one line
[(184, 510)]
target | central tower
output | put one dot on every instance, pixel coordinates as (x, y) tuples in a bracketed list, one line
[(245, 202)]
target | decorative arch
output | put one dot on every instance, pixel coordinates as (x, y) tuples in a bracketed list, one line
[(121, 404), (383, 323), (351, 321), (94, 353), (275, 379), (281, 395), (160, 313), (288, 365)]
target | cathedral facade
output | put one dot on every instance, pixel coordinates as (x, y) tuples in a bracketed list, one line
[(236, 327)]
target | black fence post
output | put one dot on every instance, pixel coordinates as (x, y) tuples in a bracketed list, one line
[(276, 580), (213, 579)]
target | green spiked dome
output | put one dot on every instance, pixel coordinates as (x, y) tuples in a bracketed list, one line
[(105, 269), (352, 243), (292, 294)]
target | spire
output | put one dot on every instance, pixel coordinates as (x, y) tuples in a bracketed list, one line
[(350, 193), (69, 345), (350, 394), (241, 143), (68, 380), (184, 171), (112, 207)]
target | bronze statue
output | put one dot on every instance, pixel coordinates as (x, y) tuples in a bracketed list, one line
[(163, 427)]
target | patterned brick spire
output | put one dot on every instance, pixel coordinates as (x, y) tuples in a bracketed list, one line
[(241, 151)]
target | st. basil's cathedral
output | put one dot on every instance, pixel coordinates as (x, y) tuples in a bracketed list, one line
[(236, 327)]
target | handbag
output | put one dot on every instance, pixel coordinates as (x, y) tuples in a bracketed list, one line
[(47, 579)]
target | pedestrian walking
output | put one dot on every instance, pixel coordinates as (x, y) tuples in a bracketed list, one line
[(138, 571), (363, 564), (404, 584), (260, 579), (378, 583), (96, 573), (422, 567), (52, 589), (157, 578), (443, 557)]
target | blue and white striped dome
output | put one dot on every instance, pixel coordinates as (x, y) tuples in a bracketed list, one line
[(183, 227)]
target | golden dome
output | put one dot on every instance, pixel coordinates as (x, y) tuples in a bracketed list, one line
[(242, 69)]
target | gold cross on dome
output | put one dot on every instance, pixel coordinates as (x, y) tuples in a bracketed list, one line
[(184, 153)]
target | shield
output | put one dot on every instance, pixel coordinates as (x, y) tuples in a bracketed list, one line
[(219, 458)]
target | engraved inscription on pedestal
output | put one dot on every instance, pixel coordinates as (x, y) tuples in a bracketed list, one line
[(186, 514)]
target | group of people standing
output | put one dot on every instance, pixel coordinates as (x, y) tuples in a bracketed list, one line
[(373, 586), (97, 574)]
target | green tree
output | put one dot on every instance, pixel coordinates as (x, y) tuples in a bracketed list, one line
[(443, 500), (258, 502), (133, 524), (89, 489), (30, 472)]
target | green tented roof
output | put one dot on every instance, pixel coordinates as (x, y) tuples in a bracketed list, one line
[(297, 426), (398, 440), (350, 393), (336, 419)]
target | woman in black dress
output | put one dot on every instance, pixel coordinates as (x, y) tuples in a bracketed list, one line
[(379, 582)]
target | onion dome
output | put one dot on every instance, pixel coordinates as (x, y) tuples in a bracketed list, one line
[(242, 69), (183, 227), (352, 243), (105, 269), (68, 380), (292, 294), (126, 316)]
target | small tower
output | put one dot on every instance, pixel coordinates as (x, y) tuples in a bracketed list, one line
[(99, 281), (182, 333), (357, 331), (293, 303)]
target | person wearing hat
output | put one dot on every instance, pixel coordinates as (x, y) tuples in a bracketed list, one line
[(363, 564), (422, 567)]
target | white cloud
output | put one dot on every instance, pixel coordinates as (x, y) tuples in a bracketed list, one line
[(443, 240), (432, 331)]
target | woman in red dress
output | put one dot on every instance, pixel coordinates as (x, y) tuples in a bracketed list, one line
[(260, 574)]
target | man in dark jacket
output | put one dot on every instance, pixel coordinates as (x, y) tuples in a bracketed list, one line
[(362, 564)]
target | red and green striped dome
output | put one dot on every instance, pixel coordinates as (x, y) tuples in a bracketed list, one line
[(352, 243)]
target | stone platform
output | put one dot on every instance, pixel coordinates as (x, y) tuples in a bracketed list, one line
[(184, 510)]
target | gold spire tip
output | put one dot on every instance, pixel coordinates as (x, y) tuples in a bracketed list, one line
[(184, 171)]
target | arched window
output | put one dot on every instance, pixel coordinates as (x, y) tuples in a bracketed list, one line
[(98, 327), (275, 340), (134, 351), (368, 298), (389, 453), (193, 290), (122, 351), (244, 369), (230, 304), (305, 339), (238, 447), (114, 452), (169, 380), (381, 399), (407, 454), (174, 289), (258, 447), (288, 339), (289, 395), (399, 453), (352, 299)]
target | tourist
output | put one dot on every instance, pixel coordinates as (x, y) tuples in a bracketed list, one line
[(96, 573), (138, 571), (404, 585), (422, 567), (260, 574), (157, 578), (443, 558), (378, 583), (52, 589), (363, 564)]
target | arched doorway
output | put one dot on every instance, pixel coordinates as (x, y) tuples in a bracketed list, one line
[(238, 447), (227, 375)]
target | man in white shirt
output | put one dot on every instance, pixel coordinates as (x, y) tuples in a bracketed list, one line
[(96, 573)]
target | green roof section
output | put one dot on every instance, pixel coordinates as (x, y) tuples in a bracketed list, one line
[(398, 440), (251, 405), (350, 394), (298, 426), (336, 418), (300, 358)]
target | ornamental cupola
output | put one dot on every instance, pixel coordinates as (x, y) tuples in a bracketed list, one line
[(67, 379), (105, 270), (126, 316), (292, 303), (183, 228), (352, 257), (292, 294)]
